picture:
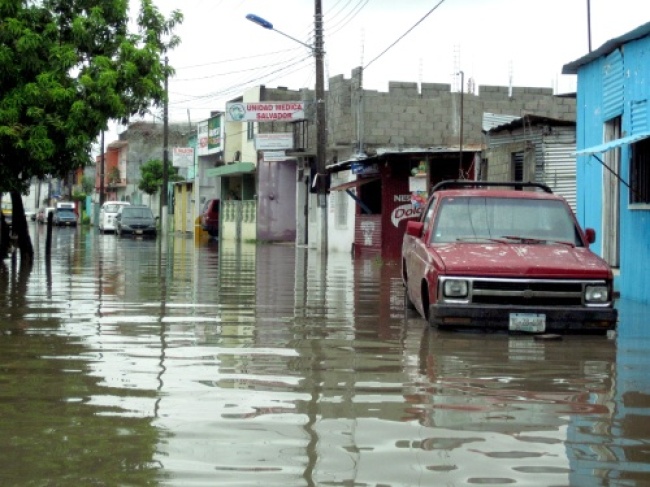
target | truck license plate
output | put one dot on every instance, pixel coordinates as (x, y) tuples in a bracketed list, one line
[(528, 322)]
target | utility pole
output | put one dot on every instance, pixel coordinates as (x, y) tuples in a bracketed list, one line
[(101, 172), (321, 130), (460, 150), (321, 134), (163, 190), (589, 24)]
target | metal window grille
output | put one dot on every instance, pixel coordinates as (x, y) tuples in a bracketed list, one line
[(640, 177)]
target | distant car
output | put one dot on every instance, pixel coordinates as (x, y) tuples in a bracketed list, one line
[(505, 258), (210, 217), (135, 220), (30, 215), (107, 214), (64, 217)]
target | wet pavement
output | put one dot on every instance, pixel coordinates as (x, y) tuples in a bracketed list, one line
[(151, 362)]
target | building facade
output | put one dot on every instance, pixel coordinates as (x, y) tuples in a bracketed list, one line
[(533, 149), (613, 165), (138, 144), (389, 149)]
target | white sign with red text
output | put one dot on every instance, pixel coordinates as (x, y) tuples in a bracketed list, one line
[(183, 156), (277, 111), (405, 211)]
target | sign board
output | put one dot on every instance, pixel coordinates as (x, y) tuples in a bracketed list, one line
[(274, 141), (214, 135), (418, 183), (183, 156), (363, 169), (276, 156), (277, 111), (202, 138)]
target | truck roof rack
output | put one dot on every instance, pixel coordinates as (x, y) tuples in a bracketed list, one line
[(465, 183)]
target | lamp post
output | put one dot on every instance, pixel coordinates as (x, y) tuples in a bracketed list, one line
[(460, 150), (321, 146), (165, 175)]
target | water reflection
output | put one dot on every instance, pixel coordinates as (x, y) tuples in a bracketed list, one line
[(130, 362)]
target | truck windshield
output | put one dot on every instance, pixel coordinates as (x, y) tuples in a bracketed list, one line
[(504, 219)]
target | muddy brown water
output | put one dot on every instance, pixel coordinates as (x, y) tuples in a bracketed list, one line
[(151, 362)]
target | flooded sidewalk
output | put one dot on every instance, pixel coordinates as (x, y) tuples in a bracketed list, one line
[(162, 362)]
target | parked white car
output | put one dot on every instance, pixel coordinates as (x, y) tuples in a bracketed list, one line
[(107, 215)]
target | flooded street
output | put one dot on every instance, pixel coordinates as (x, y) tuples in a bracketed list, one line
[(145, 362)]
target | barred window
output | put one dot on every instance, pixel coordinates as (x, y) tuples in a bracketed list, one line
[(640, 172)]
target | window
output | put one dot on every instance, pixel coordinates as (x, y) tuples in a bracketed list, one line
[(517, 164), (640, 172), (250, 131), (428, 213)]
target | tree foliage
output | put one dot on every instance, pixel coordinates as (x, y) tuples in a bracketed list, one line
[(151, 173), (69, 66)]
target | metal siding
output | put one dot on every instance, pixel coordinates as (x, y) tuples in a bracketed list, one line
[(493, 120), (639, 117), (589, 197), (613, 85), (367, 235), (555, 163), (560, 170)]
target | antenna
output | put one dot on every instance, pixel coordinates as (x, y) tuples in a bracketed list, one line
[(510, 69), (458, 85), (363, 40)]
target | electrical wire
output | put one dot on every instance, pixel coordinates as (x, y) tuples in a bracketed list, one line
[(405, 33)]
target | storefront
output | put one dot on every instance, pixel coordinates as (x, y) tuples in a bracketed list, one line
[(390, 188)]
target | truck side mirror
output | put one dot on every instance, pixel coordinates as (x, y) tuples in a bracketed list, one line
[(414, 228), (590, 233)]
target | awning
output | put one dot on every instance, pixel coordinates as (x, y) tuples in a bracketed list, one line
[(342, 165), (353, 184), (230, 169), (613, 144)]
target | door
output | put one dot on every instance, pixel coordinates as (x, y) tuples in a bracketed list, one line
[(611, 203)]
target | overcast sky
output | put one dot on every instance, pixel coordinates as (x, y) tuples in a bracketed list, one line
[(494, 42)]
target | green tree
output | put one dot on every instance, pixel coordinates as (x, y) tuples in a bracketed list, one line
[(151, 176), (87, 184), (69, 66)]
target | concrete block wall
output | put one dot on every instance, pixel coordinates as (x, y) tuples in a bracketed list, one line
[(429, 116)]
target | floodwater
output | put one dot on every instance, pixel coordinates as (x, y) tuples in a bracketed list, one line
[(151, 362)]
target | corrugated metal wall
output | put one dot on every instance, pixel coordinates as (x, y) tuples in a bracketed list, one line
[(613, 85), (367, 235), (639, 122), (558, 169), (555, 163)]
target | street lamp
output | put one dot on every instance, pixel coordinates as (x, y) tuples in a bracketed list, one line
[(317, 51), (268, 25)]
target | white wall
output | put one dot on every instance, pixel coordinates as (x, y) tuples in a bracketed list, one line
[(340, 215)]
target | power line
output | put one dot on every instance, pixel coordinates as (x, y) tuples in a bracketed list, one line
[(405, 34)]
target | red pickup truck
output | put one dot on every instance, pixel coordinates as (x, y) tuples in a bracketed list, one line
[(507, 256)]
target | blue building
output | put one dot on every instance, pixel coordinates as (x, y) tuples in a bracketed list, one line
[(613, 155)]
